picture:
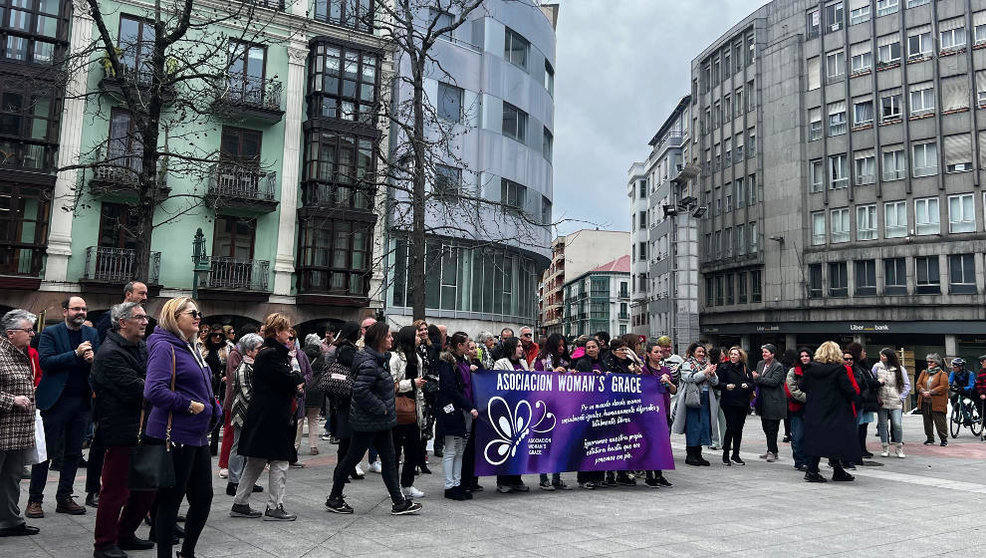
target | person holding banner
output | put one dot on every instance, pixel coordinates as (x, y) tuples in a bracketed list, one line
[(654, 366), (591, 362), (694, 414), (456, 413), (554, 355), (516, 360)]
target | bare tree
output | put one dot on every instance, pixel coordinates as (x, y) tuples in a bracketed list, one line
[(175, 78)]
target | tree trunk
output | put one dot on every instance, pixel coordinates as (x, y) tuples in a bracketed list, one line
[(416, 246)]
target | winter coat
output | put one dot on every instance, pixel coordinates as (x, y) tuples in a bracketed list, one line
[(452, 401), (889, 393), (372, 408), (772, 401), (692, 378), (16, 379), (617, 366), (117, 376), (531, 353), (404, 386), (507, 364), (980, 384), (939, 390), (269, 427), (305, 368), (585, 363), (869, 387), (193, 382), (829, 416), (314, 397), (242, 382), (795, 397), (737, 374)]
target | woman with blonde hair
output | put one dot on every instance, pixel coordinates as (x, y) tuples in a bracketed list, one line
[(182, 416), (735, 387), (830, 413)]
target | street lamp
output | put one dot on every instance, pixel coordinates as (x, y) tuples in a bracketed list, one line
[(200, 261)]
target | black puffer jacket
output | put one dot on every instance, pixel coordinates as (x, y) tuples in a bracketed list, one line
[(869, 387), (372, 409), (118, 373)]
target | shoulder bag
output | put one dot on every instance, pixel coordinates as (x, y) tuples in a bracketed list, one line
[(151, 465), (337, 379)]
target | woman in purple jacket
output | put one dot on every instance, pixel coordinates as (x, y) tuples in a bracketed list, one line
[(193, 410)]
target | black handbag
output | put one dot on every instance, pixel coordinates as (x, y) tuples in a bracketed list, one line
[(337, 379), (151, 465)]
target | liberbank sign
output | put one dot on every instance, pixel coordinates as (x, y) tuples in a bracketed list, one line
[(854, 327)]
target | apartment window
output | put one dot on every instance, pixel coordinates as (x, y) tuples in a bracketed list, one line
[(814, 20), (751, 140), (894, 163), (865, 277), (718, 240), (838, 279), (514, 122), (979, 27), (345, 13), (816, 175), (919, 42), (740, 240), (961, 214), (727, 108), (888, 50), (754, 238), (835, 64), (954, 93), (33, 29), (981, 86), (642, 189), (865, 167), (513, 196), (751, 49), (339, 168), (342, 83), (814, 73), (642, 249), (927, 220), (547, 144), (866, 222), (958, 153), (738, 107), (922, 99), (709, 292), (751, 96), (834, 16), (334, 256), (124, 146), (450, 102), (859, 12), (720, 291), (839, 220), (755, 285), (715, 70), (642, 219), (818, 228), (549, 78), (515, 48), (861, 57), (752, 183), (814, 124), (925, 159), (741, 288), (727, 241), (838, 171), (738, 143), (916, 3), (728, 197), (136, 40), (895, 276), (961, 274), (889, 105), (886, 7), (895, 219), (951, 33), (837, 118), (862, 111), (740, 189), (448, 181), (928, 276), (815, 281)]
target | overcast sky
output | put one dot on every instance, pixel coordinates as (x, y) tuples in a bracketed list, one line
[(622, 66)]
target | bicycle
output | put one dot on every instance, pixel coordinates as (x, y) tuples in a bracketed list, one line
[(962, 407)]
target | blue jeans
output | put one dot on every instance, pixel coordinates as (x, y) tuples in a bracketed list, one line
[(798, 438), (698, 428), (895, 425), (67, 419)]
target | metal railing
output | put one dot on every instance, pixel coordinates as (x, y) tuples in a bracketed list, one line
[(236, 180), (117, 265), (253, 92), (117, 173), (237, 274)]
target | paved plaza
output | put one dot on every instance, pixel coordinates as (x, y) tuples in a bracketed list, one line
[(930, 504)]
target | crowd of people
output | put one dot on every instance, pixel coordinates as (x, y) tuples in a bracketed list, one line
[(202, 391)]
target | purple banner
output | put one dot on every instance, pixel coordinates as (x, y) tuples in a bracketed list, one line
[(546, 422)]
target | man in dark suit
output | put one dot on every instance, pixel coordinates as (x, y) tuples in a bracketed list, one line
[(133, 291), (64, 396)]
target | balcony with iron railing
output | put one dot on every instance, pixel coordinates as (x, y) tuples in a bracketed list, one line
[(116, 266), (236, 185), (118, 176), (134, 76), (235, 279), (249, 98)]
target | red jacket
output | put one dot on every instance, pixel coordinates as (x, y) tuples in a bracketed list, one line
[(980, 387), (32, 353), (531, 353)]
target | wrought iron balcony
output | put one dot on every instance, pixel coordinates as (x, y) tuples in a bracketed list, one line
[(140, 77), (237, 274), (239, 186), (250, 98), (117, 265), (120, 176)]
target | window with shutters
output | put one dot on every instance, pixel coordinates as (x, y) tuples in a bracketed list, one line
[(839, 222), (862, 111), (859, 11), (889, 105), (818, 228), (866, 222), (865, 163), (814, 73), (861, 57), (951, 34), (886, 7), (894, 163), (814, 124), (838, 171), (895, 276), (888, 50), (919, 42), (838, 279), (837, 118), (835, 64), (922, 99), (961, 214), (816, 176), (954, 93), (925, 158), (895, 219), (865, 277), (979, 27), (962, 274), (926, 217), (928, 277), (958, 153)]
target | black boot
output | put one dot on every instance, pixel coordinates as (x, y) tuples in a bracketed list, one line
[(725, 457), (698, 455), (690, 458)]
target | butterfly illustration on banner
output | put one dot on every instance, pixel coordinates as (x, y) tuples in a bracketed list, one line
[(512, 426)]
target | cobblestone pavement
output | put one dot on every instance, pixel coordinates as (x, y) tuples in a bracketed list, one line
[(929, 504)]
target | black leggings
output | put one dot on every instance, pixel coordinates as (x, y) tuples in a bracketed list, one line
[(770, 428), (360, 442), (193, 480), (735, 419), (408, 438)]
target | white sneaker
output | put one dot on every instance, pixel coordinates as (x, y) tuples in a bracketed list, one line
[(885, 452), (223, 473), (412, 492), (899, 450), (359, 471), (376, 467)]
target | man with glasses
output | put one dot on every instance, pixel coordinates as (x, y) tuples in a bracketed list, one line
[(118, 380), (67, 351), (531, 349), (16, 417)]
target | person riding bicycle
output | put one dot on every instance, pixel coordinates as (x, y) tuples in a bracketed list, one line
[(962, 382)]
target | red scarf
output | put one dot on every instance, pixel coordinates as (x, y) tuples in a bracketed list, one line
[(855, 386), (792, 405)]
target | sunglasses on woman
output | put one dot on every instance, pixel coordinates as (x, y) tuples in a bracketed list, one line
[(195, 314)]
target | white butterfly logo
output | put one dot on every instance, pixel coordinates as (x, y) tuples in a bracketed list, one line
[(512, 427)]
